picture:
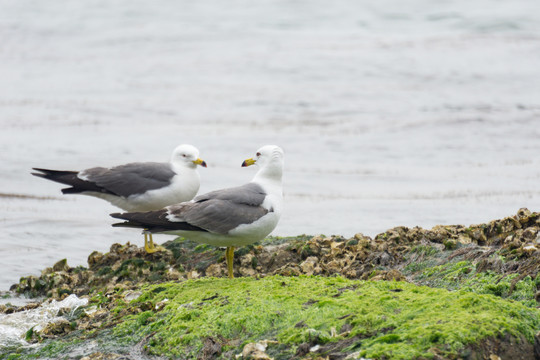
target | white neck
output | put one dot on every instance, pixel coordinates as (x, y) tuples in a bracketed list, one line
[(270, 174)]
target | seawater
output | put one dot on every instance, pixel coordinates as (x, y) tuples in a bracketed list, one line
[(391, 113)]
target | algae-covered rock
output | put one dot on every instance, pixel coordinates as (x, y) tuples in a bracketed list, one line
[(379, 319), (104, 356), (360, 257), (61, 265), (256, 351), (54, 329), (500, 259)]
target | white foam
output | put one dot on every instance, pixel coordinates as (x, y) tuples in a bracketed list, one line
[(13, 327)]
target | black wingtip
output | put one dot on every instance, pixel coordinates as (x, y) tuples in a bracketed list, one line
[(41, 173), (116, 216), (128, 224)]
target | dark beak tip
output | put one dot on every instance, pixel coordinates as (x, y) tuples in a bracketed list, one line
[(203, 164), (244, 164)]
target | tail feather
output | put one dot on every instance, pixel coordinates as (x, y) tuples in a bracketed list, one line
[(77, 185), (153, 221), (61, 176)]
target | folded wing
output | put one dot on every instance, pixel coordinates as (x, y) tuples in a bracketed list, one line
[(217, 212)]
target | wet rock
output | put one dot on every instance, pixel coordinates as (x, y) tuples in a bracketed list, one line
[(333, 267), (288, 270), (9, 310), (502, 347), (215, 270), (30, 285), (56, 328), (523, 215), (126, 267), (531, 247), (478, 236), (47, 271), (210, 350), (490, 264), (510, 245), (511, 242), (94, 259), (354, 355), (508, 225), (450, 244), (104, 356), (132, 295), (123, 267), (173, 274), (160, 305), (537, 345), (440, 234), (29, 306), (302, 349), (100, 314), (384, 258), (61, 266), (464, 239), (256, 351), (314, 248), (530, 233), (248, 264), (248, 260), (247, 271), (391, 275), (111, 258), (310, 266)]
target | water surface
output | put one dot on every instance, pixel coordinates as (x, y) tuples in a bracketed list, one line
[(390, 113)]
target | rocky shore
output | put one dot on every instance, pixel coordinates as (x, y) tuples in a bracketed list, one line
[(138, 306)]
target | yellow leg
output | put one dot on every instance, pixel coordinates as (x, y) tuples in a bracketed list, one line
[(146, 247), (229, 256), (149, 244), (151, 241)]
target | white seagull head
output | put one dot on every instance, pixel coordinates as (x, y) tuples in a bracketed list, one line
[(187, 156), (269, 159)]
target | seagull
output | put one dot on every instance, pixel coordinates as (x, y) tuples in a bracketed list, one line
[(141, 186), (229, 217)]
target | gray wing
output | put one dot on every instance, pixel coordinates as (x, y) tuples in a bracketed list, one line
[(223, 210), (249, 194), (131, 179)]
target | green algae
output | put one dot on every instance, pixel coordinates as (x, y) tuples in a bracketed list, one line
[(383, 319), (463, 275), (390, 320)]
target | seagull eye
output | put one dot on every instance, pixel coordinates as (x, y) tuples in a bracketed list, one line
[(184, 155), (258, 154)]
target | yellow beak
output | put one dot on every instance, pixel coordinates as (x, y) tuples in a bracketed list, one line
[(200, 162), (248, 162)]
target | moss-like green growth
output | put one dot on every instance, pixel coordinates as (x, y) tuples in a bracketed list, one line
[(462, 275), (424, 250), (277, 240), (380, 319)]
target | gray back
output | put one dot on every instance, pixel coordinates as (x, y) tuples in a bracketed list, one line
[(131, 179), (223, 210)]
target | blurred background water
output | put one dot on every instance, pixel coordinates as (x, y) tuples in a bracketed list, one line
[(390, 113)]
